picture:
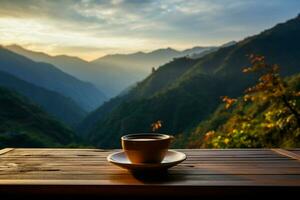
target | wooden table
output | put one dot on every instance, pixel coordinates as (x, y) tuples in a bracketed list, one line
[(85, 172)]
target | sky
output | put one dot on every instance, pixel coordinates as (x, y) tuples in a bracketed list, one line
[(93, 28)]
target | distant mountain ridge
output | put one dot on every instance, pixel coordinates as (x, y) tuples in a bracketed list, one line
[(142, 61), (48, 76), (213, 49), (54, 103), (112, 73)]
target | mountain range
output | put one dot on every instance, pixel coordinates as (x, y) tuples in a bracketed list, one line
[(185, 91), (59, 106), (111, 74), (45, 75), (143, 62), (182, 89)]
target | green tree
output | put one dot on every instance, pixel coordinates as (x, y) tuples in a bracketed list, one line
[(267, 115)]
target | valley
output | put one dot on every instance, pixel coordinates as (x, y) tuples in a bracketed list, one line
[(65, 100)]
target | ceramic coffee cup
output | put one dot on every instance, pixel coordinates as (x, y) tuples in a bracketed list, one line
[(146, 147)]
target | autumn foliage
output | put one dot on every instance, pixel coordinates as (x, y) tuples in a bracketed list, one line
[(267, 115)]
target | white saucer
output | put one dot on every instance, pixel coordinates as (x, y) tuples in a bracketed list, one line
[(171, 159)]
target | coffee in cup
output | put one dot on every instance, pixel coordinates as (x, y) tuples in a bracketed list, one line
[(146, 147)]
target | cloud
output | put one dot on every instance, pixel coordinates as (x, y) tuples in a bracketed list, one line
[(130, 25)]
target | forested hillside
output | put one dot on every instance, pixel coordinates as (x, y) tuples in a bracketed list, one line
[(23, 124), (266, 115), (193, 94), (65, 109)]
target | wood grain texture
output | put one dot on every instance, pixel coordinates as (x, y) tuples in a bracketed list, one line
[(3, 151), (294, 154), (86, 172)]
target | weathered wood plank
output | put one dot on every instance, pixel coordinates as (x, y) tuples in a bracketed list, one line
[(174, 179), (6, 150), (53, 170), (287, 153), (60, 173), (62, 151)]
